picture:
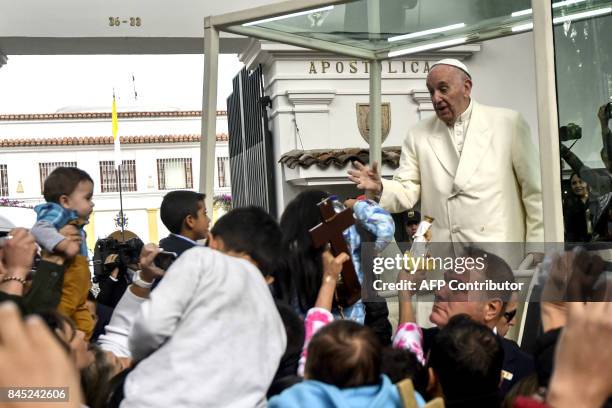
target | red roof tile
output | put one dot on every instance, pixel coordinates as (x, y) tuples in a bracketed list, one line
[(338, 157), (102, 115), (105, 140)]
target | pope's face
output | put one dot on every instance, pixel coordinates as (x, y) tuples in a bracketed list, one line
[(450, 90)]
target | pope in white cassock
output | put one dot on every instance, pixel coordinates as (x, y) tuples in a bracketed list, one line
[(473, 167)]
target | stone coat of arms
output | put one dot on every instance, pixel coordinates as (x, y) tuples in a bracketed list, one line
[(363, 109)]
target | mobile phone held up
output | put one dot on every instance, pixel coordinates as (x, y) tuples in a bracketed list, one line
[(164, 259)]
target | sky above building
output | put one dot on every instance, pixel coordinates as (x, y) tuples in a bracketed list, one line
[(68, 83)]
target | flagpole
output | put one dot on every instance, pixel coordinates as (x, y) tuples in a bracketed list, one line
[(116, 142), (121, 204)]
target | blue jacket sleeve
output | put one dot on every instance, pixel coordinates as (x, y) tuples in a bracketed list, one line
[(376, 220), (46, 235)]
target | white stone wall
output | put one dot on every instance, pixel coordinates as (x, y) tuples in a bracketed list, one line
[(23, 167), (504, 75), (23, 164)]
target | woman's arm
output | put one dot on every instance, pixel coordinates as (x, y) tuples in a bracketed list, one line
[(332, 266), (409, 335), (320, 315)]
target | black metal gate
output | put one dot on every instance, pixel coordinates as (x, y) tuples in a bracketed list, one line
[(250, 143)]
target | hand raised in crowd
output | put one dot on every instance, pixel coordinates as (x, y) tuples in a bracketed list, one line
[(332, 267), (32, 357), (71, 245), (18, 253), (414, 279), (406, 276), (586, 270), (148, 270), (582, 375), (366, 177), (569, 277)]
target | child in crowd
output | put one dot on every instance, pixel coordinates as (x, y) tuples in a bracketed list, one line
[(68, 192), (344, 369), (184, 214)]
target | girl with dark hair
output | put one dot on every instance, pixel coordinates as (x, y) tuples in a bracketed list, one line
[(301, 279), (303, 263)]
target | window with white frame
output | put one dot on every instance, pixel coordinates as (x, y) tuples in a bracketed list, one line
[(4, 192), (174, 173), (47, 168), (108, 176), (223, 171)]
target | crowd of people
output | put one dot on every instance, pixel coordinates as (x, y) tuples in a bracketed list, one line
[(252, 319), (586, 206), (264, 314)]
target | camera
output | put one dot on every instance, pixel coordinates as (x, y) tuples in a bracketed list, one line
[(126, 253), (570, 132), (609, 111), (5, 237)]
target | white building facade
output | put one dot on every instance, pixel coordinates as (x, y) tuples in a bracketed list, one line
[(160, 151)]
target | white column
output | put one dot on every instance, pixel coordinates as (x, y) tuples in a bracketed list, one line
[(374, 119), (375, 115), (209, 110), (547, 121)]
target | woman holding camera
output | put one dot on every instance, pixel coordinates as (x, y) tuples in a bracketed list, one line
[(578, 209)]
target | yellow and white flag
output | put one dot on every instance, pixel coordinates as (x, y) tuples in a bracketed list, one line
[(116, 139)]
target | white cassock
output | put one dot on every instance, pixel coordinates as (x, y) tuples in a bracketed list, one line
[(488, 193)]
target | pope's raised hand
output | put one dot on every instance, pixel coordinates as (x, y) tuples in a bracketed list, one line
[(366, 177)]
